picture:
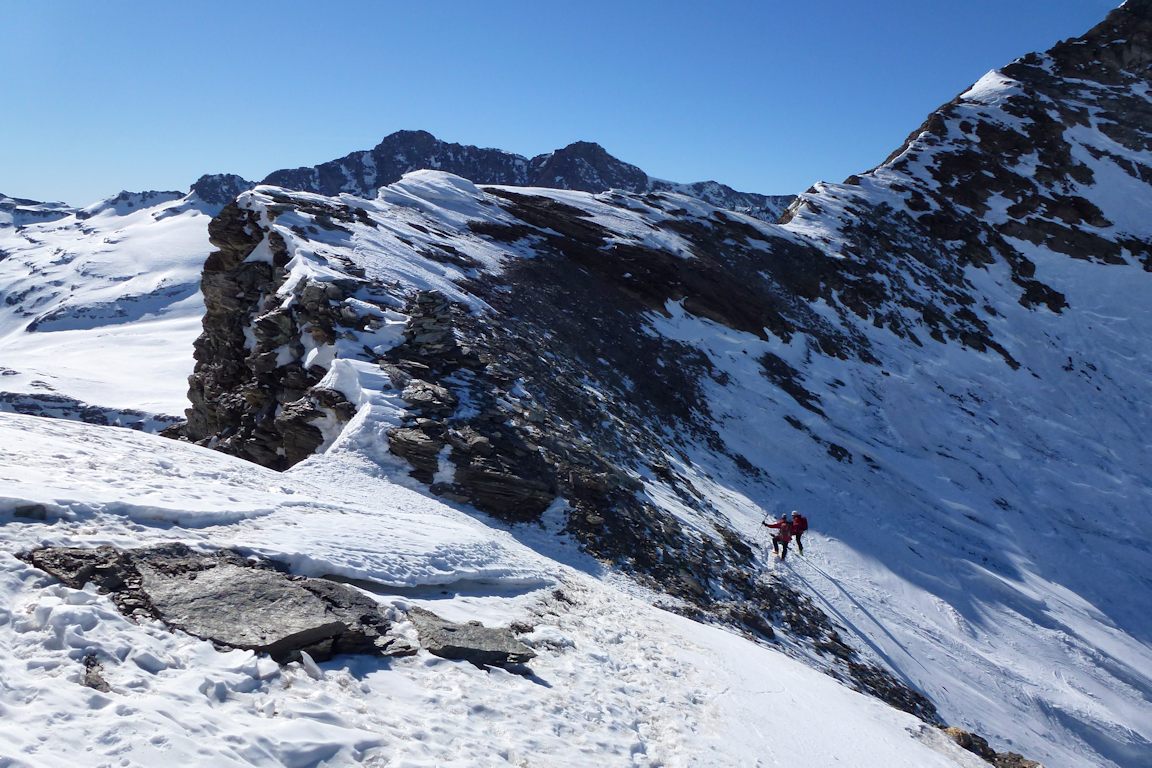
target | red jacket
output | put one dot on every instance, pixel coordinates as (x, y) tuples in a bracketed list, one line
[(799, 523), (784, 527)]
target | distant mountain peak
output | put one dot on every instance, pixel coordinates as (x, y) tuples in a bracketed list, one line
[(588, 167), (220, 188), (582, 165)]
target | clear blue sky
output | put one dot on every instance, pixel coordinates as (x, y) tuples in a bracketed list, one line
[(763, 95)]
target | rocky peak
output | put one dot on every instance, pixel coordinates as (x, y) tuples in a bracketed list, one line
[(362, 173), (1023, 166), (1121, 45), (419, 140), (583, 166), (218, 189), (586, 166)]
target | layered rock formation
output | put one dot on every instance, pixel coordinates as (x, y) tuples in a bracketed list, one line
[(256, 605)]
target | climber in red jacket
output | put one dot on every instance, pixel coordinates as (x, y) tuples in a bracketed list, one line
[(782, 536), (799, 525)]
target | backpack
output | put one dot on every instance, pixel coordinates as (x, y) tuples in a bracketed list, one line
[(799, 523)]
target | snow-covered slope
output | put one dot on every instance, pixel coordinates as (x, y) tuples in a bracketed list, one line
[(944, 361), (101, 306), (616, 681), (951, 493)]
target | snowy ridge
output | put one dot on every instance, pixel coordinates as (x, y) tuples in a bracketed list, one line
[(970, 594), (943, 362)]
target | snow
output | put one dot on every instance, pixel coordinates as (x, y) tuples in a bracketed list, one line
[(113, 286), (616, 682), (946, 551), (986, 539)]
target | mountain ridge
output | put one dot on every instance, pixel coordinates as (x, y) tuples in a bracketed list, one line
[(943, 361), (582, 165), (903, 339)]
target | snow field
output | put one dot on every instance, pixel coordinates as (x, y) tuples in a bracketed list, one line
[(616, 683)]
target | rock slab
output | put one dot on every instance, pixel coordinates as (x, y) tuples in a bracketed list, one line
[(230, 600), (483, 646)]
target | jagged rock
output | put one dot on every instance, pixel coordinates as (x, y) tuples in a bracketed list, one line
[(430, 399), (298, 438), (220, 188), (228, 599), (978, 745), (250, 356), (483, 646), (513, 493), (420, 447), (241, 607), (94, 675), (105, 566), (468, 440)]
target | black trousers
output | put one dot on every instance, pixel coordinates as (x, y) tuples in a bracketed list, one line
[(776, 540)]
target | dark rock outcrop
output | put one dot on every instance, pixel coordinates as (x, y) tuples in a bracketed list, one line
[(228, 599), (252, 392), (94, 675), (57, 406), (978, 745), (585, 166), (483, 646), (219, 189)]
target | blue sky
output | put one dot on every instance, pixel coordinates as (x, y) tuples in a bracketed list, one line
[(763, 95)]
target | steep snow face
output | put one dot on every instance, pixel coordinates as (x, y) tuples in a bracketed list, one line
[(101, 306), (998, 470), (616, 682)]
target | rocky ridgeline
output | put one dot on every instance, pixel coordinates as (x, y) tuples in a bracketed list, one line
[(582, 165), (492, 465), (18, 212), (530, 374), (56, 406), (1023, 160), (260, 400), (553, 393)]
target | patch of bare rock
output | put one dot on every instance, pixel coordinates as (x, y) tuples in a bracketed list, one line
[(256, 604)]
